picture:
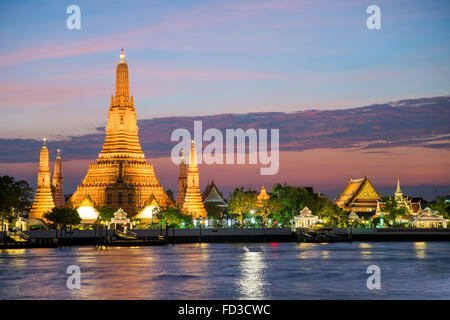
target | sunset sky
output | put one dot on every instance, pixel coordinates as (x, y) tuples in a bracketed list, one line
[(199, 58)]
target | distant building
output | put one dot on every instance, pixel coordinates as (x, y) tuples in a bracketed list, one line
[(182, 182), (212, 195), (215, 203), (305, 219), (57, 182), (263, 195), (359, 196), (428, 218), (412, 205)]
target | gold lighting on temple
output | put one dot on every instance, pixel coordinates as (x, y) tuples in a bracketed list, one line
[(121, 176), (43, 200), (193, 202)]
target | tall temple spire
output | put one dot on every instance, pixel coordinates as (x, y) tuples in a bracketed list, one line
[(57, 182), (398, 192), (121, 176), (182, 182), (43, 200), (193, 202), (122, 140), (122, 81)]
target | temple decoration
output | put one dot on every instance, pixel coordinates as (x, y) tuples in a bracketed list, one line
[(305, 219), (121, 176), (193, 204), (182, 182), (43, 200), (358, 196), (57, 182)]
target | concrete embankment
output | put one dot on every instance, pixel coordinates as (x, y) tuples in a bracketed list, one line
[(222, 235), (143, 237), (394, 234), (147, 237)]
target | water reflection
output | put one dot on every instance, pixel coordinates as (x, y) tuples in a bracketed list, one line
[(366, 251), (228, 271), (252, 281), (309, 251), (421, 248)]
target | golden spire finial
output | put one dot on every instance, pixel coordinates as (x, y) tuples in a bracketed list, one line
[(58, 153), (398, 191), (122, 55), (45, 141)]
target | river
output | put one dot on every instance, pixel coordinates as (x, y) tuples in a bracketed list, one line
[(408, 270)]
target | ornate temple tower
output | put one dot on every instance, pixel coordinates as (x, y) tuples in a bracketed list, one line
[(193, 201), (121, 177), (398, 193), (57, 182), (182, 182), (43, 200)]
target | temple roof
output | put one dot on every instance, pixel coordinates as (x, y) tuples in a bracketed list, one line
[(212, 193), (358, 190)]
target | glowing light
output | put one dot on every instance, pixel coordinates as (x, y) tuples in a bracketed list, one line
[(147, 213), (87, 213), (122, 55)]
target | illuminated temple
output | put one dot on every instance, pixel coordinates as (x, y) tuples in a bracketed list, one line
[(121, 176), (43, 200), (193, 201), (359, 196)]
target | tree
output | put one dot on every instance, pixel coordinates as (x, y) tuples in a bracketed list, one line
[(440, 206), (268, 208), (63, 216), (213, 210), (105, 213), (241, 201), (333, 215), (9, 217), (15, 195), (393, 210), (173, 216)]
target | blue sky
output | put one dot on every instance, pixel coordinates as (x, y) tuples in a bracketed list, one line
[(211, 57)]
